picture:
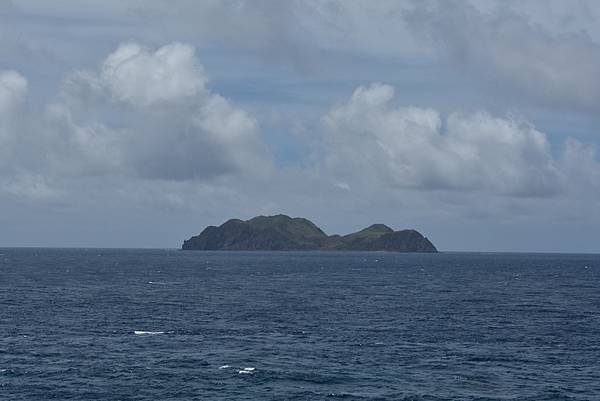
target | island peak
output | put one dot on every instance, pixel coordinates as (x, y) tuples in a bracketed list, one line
[(282, 232)]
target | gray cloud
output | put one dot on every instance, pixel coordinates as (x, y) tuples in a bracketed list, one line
[(13, 90), (271, 30), (559, 69)]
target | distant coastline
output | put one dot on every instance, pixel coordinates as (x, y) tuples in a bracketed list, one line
[(281, 233)]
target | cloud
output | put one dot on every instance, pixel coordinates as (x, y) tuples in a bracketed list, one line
[(139, 76), (77, 147), (144, 117), (410, 147), (557, 69), (150, 113), (268, 29), (580, 164), (6, 6), (30, 187), (13, 88), (13, 91)]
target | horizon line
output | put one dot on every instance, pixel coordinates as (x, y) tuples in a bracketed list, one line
[(297, 251)]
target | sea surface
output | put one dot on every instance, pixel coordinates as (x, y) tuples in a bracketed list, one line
[(99, 324)]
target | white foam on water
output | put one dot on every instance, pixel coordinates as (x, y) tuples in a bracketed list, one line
[(142, 332), (2, 370), (224, 367), (246, 371)]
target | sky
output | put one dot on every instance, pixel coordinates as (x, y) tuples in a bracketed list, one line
[(130, 123)]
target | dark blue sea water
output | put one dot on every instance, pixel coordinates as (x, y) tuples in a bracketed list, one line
[(313, 325)]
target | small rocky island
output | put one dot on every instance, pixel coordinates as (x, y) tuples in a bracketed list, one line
[(283, 233)]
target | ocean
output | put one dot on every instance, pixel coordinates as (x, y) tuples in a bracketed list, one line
[(105, 324)]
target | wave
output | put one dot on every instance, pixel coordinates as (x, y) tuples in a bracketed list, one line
[(141, 332)]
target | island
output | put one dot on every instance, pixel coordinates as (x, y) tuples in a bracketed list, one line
[(284, 233)]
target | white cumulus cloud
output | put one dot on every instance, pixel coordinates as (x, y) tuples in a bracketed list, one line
[(136, 74), (142, 115), (415, 148), (150, 112)]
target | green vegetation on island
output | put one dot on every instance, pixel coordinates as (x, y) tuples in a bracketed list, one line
[(279, 233)]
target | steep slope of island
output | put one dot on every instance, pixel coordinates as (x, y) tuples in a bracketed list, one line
[(278, 233)]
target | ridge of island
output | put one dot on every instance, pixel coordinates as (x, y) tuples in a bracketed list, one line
[(284, 233)]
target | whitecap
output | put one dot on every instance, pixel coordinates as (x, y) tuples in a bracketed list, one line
[(224, 367), (142, 332), (246, 371)]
